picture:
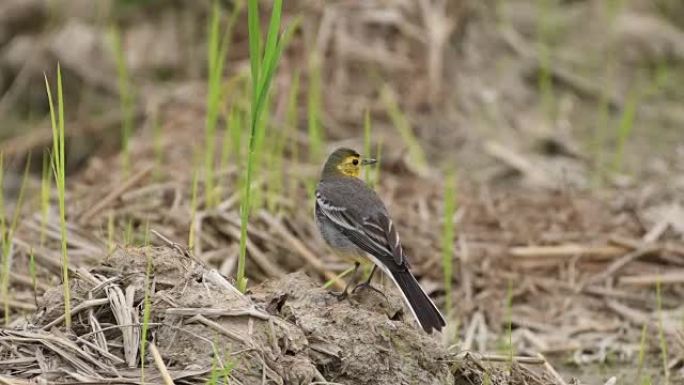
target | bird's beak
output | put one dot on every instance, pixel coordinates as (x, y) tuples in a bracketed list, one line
[(368, 161)]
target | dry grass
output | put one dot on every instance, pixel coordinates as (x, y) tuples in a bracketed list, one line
[(578, 262), (199, 316)]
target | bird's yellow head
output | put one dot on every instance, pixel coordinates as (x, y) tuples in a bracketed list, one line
[(345, 161)]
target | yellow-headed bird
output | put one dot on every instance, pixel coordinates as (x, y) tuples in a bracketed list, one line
[(354, 222)]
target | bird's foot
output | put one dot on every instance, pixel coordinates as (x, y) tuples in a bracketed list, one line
[(340, 295), (367, 285)]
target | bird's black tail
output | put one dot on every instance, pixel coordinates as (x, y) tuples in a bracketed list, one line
[(421, 305)]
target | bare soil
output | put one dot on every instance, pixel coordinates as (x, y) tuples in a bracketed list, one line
[(564, 231), (286, 331)]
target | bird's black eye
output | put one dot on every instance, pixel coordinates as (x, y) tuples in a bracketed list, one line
[(355, 162)]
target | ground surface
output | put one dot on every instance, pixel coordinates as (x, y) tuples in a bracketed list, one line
[(561, 120), (287, 331)]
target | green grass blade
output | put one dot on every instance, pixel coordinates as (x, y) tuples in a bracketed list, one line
[(449, 207), (58, 158), (7, 236), (146, 240), (45, 187), (236, 135), (273, 57), (624, 129), (213, 101), (157, 146), (402, 124), (378, 163), (193, 209), (367, 128), (244, 217), (8, 233), (217, 51), (5, 246), (3, 221), (267, 76), (20, 198), (254, 45), (509, 323), (215, 372), (60, 120), (53, 124), (275, 154), (314, 110), (260, 86), (214, 28), (343, 274), (232, 139), (272, 36), (128, 233), (147, 306), (642, 350), (62, 201), (34, 275), (275, 167), (4, 280), (110, 232), (227, 370), (226, 143)]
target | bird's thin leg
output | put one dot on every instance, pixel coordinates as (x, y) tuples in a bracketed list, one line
[(370, 277), (367, 284), (342, 295)]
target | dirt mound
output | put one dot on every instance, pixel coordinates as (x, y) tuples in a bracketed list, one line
[(287, 331), (358, 342)]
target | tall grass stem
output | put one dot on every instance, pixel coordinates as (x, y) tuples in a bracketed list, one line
[(262, 69), (449, 208), (314, 109), (367, 133), (402, 124), (59, 170), (218, 44)]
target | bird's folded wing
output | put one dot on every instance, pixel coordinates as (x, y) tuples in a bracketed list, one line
[(373, 234)]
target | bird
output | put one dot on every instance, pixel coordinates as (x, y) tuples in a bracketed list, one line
[(354, 222)]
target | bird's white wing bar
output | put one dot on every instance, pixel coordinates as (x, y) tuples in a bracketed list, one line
[(373, 236), (326, 205), (381, 227), (335, 213)]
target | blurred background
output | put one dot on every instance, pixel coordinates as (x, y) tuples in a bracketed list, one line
[(535, 144), (589, 87)]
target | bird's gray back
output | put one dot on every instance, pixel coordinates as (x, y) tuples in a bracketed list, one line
[(357, 199), (353, 194)]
